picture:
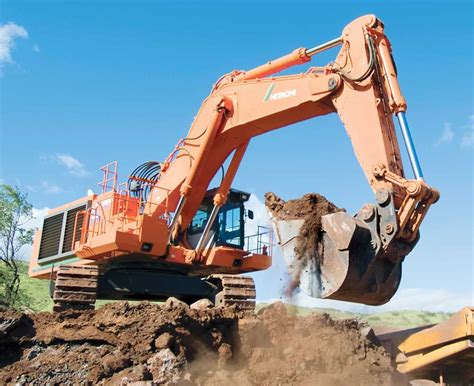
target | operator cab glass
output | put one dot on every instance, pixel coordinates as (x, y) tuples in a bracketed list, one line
[(228, 229)]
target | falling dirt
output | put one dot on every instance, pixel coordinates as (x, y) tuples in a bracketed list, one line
[(310, 208), (121, 344)]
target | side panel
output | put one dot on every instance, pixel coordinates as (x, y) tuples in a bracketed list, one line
[(53, 241)]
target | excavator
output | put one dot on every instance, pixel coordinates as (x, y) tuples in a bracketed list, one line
[(164, 232)]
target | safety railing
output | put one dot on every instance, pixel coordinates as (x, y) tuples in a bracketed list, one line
[(82, 214), (94, 220), (261, 242), (117, 208), (128, 207), (109, 177)]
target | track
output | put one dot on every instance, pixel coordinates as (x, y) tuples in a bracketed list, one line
[(238, 291), (75, 287)]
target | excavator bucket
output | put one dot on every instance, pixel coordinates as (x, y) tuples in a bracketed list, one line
[(349, 259)]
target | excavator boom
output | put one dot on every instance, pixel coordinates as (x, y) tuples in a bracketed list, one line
[(363, 254)]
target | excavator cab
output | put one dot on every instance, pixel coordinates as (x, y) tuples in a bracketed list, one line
[(229, 228)]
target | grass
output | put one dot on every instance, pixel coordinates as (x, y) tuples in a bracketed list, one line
[(37, 292), (393, 319)]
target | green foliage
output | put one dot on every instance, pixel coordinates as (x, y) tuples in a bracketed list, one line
[(15, 213), (393, 319), (7, 277), (35, 292)]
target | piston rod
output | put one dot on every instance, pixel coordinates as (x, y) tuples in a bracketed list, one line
[(298, 56), (177, 213), (203, 240), (415, 163), (323, 47)]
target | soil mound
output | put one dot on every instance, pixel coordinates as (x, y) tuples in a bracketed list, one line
[(174, 344)]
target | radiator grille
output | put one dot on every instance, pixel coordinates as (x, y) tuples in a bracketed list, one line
[(57, 234), (69, 230), (51, 236)]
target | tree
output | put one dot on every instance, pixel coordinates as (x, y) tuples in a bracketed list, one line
[(15, 212)]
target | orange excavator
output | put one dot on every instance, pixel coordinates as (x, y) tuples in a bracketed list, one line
[(165, 233)]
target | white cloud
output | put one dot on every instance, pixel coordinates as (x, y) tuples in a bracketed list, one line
[(468, 136), (45, 187), (421, 299), (433, 299), (259, 212), (36, 48), (8, 33), (447, 135), (74, 166), (38, 215)]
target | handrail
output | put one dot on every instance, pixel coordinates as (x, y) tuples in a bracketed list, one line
[(261, 244), (124, 210), (76, 218)]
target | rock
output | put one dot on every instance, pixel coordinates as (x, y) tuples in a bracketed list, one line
[(187, 377), (369, 334), (164, 366), (9, 319), (175, 303), (7, 325), (22, 380), (274, 308), (115, 361), (225, 353), (202, 304), (137, 373), (288, 352), (165, 340), (423, 382), (34, 352)]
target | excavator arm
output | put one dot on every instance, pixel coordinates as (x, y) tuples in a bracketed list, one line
[(361, 86)]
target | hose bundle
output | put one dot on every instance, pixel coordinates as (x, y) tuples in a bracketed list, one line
[(142, 179)]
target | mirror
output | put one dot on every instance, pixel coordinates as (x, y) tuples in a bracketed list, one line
[(250, 214)]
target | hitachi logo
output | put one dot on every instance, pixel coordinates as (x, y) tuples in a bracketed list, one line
[(278, 95), (283, 94)]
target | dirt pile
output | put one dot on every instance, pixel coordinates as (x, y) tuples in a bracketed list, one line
[(310, 208), (173, 344)]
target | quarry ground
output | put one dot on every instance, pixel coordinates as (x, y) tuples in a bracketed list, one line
[(171, 343)]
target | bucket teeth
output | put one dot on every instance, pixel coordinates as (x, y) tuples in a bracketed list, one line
[(75, 287)]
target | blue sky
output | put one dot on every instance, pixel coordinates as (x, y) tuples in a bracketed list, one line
[(84, 83)]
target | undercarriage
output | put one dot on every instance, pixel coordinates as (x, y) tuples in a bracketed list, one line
[(79, 286)]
